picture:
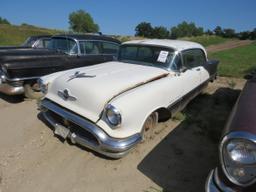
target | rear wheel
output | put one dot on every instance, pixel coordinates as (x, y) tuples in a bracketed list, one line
[(32, 91), (149, 125)]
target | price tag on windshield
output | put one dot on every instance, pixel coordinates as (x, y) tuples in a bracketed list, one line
[(162, 56)]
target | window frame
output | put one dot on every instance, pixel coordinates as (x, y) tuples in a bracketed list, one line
[(182, 56), (100, 46)]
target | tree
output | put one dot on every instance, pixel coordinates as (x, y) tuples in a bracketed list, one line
[(208, 32), (4, 21), (160, 32), (81, 21), (253, 34), (218, 31), (144, 29), (244, 35), (185, 29), (229, 33)]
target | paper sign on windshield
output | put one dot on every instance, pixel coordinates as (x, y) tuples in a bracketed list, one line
[(162, 56)]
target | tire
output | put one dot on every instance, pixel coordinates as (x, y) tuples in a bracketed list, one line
[(149, 125), (30, 93)]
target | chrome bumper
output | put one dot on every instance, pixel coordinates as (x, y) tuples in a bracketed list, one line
[(106, 145), (214, 184), (7, 88)]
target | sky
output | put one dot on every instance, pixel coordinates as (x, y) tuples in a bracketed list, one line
[(121, 17)]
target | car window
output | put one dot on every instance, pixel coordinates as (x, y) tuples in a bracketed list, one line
[(46, 42), (66, 45), (193, 58), (146, 55), (42, 43), (109, 48), (90, 47)]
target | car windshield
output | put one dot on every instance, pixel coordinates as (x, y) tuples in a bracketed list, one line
[(65, 45), (147, 55)]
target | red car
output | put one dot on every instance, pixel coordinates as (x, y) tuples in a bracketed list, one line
[(237, 150)]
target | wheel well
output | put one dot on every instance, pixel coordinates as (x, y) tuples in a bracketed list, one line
[(163, 114)]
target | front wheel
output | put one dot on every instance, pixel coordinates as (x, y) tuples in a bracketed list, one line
[(149, 125), (32, 91)]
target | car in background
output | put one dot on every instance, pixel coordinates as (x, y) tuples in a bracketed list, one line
[(111, 107), (21, 68), (237, 150), (39, 41)]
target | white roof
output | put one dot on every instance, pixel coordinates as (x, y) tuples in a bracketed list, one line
[(177, 45)]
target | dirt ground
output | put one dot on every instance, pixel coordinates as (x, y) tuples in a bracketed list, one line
[(177, 158), (228, 45)]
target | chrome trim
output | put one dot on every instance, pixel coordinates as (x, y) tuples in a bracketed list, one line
[(22, 78), (213, 183), (11, 90), (210, 186), (220, 184), (117, 112), (235, 135), (108, 146)]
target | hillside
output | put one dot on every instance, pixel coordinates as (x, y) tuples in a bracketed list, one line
[(15, 35)]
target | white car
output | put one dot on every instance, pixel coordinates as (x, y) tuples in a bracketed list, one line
[(109, 107)]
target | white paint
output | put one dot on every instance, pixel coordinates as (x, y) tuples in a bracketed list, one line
[(110, 84)]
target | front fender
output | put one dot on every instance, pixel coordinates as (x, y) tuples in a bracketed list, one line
[(137, 104)]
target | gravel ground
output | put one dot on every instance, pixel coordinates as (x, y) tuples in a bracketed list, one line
[(177, 158)]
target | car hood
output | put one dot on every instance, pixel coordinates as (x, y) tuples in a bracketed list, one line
[(98, 85)]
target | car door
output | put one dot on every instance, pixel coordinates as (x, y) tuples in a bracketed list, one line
[(192, 71)]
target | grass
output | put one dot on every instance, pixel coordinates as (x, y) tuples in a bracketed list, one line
[(16, 35), (236, 62), (206, 40)]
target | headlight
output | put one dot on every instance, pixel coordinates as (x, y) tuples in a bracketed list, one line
[(113, 116), (239, 160), (43, 87)]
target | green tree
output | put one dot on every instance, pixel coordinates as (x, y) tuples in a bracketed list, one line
[(81, 21), (229, 33), (185, 29), (160, 32), (4, 21), (144, 29), (218, 31)]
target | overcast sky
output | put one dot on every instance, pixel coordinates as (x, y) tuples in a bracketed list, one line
[(121, 17)]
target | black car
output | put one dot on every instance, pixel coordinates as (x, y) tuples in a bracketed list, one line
[(21, 68), (236, 171), (39, 41)]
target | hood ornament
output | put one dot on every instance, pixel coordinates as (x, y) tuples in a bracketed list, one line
[(66, 95), (80, 75)]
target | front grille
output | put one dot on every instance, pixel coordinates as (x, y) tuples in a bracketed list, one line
[(74, 128)]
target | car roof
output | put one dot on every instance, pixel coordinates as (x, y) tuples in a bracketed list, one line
[(178, 45), (41, 36), (88, 37)]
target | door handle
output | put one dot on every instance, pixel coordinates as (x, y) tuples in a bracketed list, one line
[(198, 69)]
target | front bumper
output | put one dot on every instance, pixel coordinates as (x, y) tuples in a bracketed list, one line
[(214, 184), (8, 88), (11, 90), (87, 133)]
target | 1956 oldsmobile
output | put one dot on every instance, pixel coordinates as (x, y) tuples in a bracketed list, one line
[(237, 169), (110, 107), (21, 68)]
